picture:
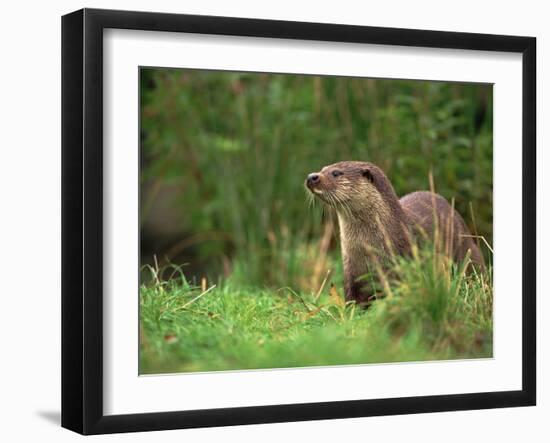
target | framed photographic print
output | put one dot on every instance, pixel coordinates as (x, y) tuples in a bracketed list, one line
[(269, 221)]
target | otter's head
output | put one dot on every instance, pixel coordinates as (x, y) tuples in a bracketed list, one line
[(352, 187)]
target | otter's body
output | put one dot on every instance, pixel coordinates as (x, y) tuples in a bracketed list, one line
[(375, 224), (419, 207)]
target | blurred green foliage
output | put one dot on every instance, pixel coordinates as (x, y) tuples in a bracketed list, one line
[(235, 149)]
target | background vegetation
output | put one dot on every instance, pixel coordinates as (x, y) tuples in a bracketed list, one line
[(224, 157)]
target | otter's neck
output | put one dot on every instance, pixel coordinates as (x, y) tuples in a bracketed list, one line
[(376, 227), (368, 238)]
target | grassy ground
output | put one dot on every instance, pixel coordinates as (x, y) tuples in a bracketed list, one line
[(431, 311)]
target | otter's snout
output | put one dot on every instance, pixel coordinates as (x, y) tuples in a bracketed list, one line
[(312, 179)]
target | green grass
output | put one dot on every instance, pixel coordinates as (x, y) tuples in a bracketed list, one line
[(431, 310)]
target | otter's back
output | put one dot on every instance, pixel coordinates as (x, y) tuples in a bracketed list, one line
[(426, 210)]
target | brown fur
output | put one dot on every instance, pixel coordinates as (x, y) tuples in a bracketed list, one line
[(375, 224)]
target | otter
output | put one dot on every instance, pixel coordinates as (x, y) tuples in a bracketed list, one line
[(375, 224)]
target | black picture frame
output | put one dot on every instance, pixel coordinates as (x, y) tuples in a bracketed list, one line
[(82, 218)]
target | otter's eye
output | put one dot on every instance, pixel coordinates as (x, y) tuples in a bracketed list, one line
[(337, 173)]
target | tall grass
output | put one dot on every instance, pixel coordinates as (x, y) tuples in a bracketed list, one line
[(234, 149), (430, 309)]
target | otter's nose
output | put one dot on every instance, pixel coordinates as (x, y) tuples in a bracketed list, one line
[(313, 179)]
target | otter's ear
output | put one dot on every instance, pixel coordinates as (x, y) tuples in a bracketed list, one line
[(368, 175)]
